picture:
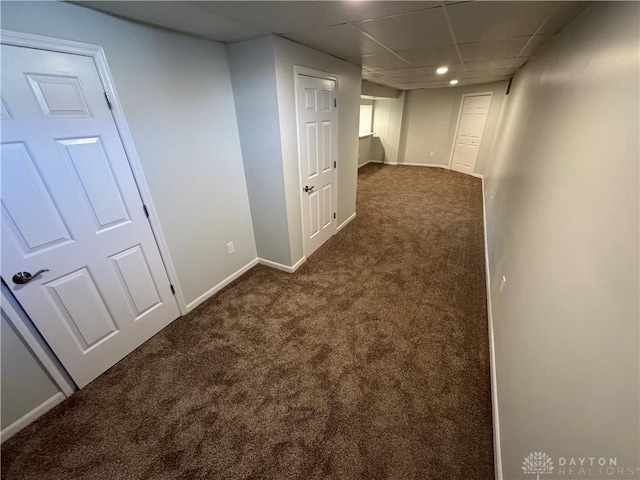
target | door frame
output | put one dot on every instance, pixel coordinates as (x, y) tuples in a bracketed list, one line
[(96, 52), (311, 72), (455, 135)]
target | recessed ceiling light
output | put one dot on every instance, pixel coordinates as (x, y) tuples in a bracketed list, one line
[(453, 82), (442, 70)]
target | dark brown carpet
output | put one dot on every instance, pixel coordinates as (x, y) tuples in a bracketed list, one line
[(370, 362)]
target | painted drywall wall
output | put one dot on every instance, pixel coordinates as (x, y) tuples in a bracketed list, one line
[(176, 95), (25, 384), (387, 124), (287, 55), (375, 90), (252, 65), (364, 150), (430, 121), (562, 196)]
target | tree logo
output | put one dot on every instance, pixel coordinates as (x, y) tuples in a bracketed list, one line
[(537, 463)]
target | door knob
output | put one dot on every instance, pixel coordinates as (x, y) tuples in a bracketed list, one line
[(308, 189), (25, 277)]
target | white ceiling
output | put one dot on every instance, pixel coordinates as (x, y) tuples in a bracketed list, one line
[(398, 43)]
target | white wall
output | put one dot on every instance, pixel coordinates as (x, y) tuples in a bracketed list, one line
[(25, 384), (270, 137), (288, 54), (27, 389), (365, 124), (176, 95), (253, 75), (375, 90), (387, 124), (563, 224), (430, 121), (364, 150)]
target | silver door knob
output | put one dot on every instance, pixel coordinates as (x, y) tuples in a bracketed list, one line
[(25, 277), (308, 189)]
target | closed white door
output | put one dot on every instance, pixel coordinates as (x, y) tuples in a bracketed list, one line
[(318, 145), (70, 207), (473, 117)]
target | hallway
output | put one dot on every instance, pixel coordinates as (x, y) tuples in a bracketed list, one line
[(371, 361)]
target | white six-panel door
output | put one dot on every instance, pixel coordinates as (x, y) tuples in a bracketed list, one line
[(70, 205), (318, 144), (473, 117)]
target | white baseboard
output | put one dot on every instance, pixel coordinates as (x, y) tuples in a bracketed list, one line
[(32, 416), (208, 294), (345, 223), (280, 266), (368, 162), (390, 163), (497, 451), (435, 165)]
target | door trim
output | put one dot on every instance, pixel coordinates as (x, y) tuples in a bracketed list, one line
[(96, 52), (455, 135), (310, 72)]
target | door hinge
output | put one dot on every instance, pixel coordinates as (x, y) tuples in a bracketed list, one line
[(334, 214), (335, 164), (146, 212), (173, 290), (106, 97), (335, 103)]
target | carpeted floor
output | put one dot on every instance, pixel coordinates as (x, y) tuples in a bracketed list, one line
[(370, 362)]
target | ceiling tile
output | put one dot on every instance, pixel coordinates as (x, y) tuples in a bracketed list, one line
[(493, 65), (407, 32), (479, 52), (423, 57), (484, 79), (488, 21), (408, 72), (566, 12), (341, 40), (277, 17), (358, 11), (490, 73), (382, 61), (536, 44), (180, 16)]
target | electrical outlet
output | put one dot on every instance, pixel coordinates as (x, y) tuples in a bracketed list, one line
[(230, 247), (431, 154), (504, 280)]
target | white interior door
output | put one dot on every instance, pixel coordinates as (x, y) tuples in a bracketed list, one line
[(70, 205), (318, 144), (473, 117)]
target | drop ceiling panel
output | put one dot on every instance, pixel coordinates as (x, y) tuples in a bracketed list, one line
[(277, 17), (566, 12), (536, 43), (485, 79), (409, 72), (180, 16), (491, 66), (423, 57), (410, 31), (340, 40), (383, 61), (494, 37), (489, 21), (358, 11), (479, 52)]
